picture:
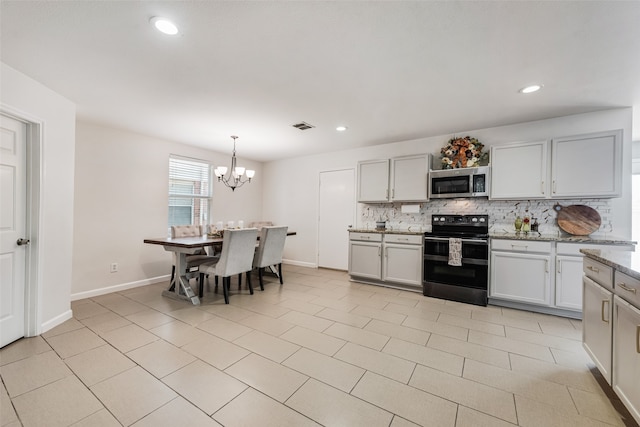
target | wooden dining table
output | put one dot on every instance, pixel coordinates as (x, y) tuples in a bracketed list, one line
[(179, 288)]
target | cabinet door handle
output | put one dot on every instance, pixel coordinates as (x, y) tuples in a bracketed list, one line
[(604, 301), (554, 185), (519, 246), (558, 266), (638, 339), (542, 187), (627, 288), (379, 249), (595, 270), (546, 266), (387, 193), (393, 193)]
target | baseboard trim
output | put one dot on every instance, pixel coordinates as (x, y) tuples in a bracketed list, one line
[(58, 320), (300, 263), (118, 288)]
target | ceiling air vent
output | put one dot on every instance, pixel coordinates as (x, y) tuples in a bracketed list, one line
[(303, 126)]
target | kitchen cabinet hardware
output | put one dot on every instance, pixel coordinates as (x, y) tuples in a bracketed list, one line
[(608, 303), (626, 288), (558, 264), (554, 186), (519, 246), (594, 269), (542, 187)]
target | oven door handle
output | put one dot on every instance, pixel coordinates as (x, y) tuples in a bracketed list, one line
[(465, 261), (443, 239)]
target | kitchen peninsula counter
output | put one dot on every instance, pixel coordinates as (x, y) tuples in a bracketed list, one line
[(624, 261)]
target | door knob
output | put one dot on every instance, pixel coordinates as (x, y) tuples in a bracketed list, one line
[(21, 242)]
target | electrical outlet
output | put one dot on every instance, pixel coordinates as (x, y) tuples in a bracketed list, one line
[(114, 267)]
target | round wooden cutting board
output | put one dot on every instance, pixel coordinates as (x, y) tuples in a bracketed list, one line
[(579, 220)]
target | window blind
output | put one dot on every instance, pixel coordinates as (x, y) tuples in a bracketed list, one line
[(189, 191)]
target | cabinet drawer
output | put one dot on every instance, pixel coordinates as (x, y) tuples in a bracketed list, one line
[(627, 288), (404, 238), (574, 248), (520, 246), (367, 237), (600, 273)]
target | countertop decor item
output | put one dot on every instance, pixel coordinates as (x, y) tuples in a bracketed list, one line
[(462, 153), (579, 220)]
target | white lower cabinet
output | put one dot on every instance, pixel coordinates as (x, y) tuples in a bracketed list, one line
[(520, 271), (611, 329), (626, 355), (521, 277), (568, 286), (542, 273), (402, 263), (386, 259), (365, 250), (596, 325)]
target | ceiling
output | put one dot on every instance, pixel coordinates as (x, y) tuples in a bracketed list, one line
[(389, 71)]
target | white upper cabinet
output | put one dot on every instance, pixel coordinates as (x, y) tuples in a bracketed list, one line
[(373, 181), (519, 171), (401, 179), (587, 165), (569, 167), (409, 178)]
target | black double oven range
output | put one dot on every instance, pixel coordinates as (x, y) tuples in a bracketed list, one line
[(468, 282)]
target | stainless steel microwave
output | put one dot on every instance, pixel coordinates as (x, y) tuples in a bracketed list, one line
[(462, 182)]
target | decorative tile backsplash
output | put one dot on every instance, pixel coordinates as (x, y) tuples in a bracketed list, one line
[(502, 213)]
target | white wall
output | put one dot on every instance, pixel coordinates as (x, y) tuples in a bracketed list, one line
[(26, 98), (121, 190), (291, 185)]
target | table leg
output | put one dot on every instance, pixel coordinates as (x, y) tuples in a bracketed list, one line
[(179, 287)]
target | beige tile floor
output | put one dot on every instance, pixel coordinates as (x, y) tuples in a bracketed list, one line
[(319, 350)]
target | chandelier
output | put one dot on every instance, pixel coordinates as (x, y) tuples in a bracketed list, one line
[(235, 177)]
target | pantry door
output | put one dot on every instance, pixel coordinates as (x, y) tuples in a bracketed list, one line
[(13, 203), (336, 215)]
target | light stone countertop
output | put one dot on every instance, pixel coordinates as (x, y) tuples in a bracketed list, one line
[(561, 238), (386, 231), (624, 261)]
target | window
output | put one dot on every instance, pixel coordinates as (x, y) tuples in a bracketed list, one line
[(635, 201), (189, 191)]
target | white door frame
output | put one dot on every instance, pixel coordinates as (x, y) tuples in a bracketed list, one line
[(34, 186), (355, 210)]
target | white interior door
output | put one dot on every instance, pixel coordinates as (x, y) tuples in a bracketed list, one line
[(13, 192), (336, 214)]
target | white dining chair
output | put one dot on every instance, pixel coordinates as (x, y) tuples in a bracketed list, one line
[(236, 257), (269, 250), (192, 260)]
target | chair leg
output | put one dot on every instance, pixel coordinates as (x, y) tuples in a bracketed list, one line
[(260, 271), (239, 281), (216, 282), (201, 285), (226, 281), (280, 272), (249, 282)]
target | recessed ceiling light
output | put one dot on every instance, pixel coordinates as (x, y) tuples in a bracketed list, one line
[(341, 128), (531, 89), (164, 25)]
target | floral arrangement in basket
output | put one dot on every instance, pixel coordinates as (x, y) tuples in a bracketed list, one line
[(462, 153)]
